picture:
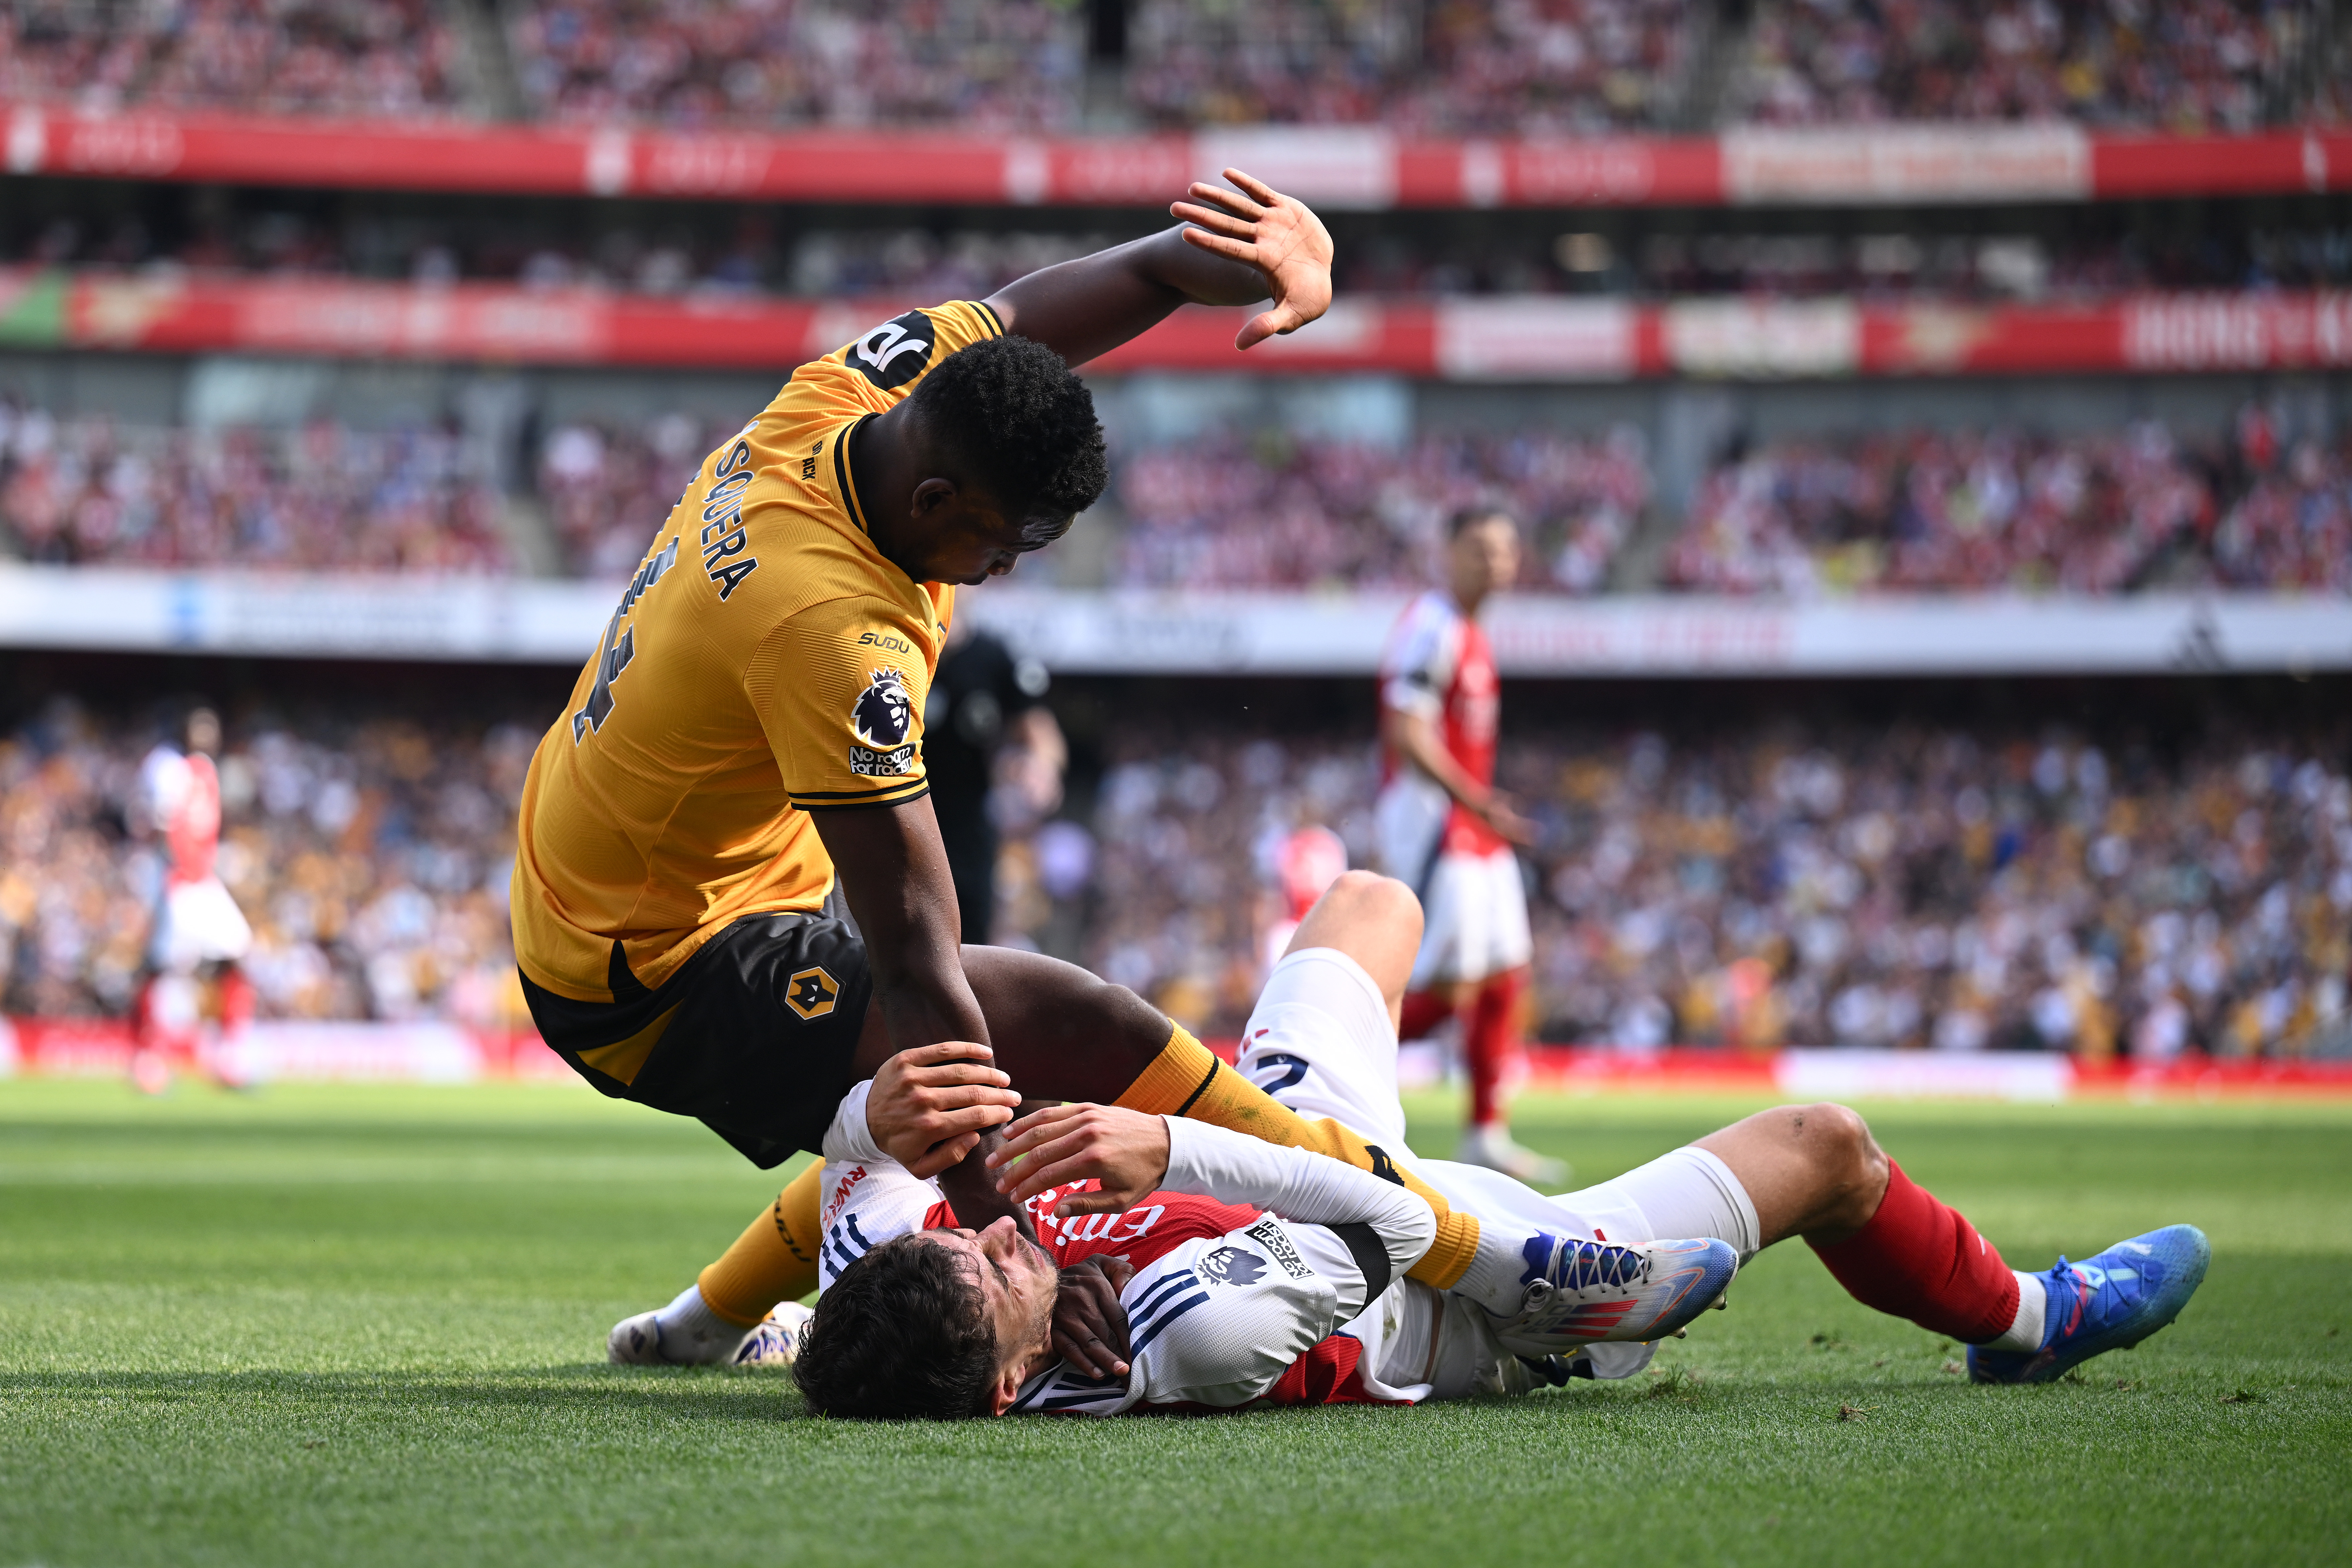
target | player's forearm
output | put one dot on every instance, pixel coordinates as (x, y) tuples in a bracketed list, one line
[(1416, 738), (1085, 308), (894, 870), (1297, 1184)]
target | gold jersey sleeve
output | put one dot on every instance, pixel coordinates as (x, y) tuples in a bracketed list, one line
[(764, 662)]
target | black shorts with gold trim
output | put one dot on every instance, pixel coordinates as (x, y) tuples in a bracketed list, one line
[(753, 1036)]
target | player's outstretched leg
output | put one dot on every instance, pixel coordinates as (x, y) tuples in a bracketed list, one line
[(725, 1313), (1490, 1045), (1814, 1171), (2109, 1302), (686, 1332)]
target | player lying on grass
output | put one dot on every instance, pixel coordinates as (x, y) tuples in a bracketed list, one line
[(1323, 1039)]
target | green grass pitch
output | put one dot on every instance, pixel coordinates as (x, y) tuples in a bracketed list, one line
[(358, 1326)]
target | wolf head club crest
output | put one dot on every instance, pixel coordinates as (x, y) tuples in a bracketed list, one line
[(883, 711)]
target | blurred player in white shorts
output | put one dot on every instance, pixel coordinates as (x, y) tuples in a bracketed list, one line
[(199, 932), (1448, 834)]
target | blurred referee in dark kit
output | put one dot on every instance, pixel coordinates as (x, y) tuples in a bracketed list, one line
[(994, 755)]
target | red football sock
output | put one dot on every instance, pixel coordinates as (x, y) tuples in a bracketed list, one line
[(1919, 1259), (1423, 1011), (235, 1001), (1489, 1035)]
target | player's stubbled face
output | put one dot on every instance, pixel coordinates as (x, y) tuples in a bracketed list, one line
[(1017, 1281)]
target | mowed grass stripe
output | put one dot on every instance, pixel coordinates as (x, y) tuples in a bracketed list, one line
[(365, 1326)]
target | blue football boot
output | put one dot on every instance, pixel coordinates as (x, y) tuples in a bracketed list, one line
[(2110, 1302)]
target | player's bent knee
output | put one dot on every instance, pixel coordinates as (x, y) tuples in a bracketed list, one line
[(1367, 896), (1841, 1144)]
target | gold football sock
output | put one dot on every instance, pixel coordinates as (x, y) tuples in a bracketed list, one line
[(1185, 1079), (775, 1258)]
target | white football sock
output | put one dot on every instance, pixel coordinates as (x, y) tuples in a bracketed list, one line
[(692, 1334), (2033, 1303), (1493, 1278)]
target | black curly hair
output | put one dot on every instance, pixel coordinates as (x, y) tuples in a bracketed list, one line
[(1011, 412), (904, 1334)]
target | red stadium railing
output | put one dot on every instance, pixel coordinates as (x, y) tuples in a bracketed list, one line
[(1496, 338), (1351, 167)]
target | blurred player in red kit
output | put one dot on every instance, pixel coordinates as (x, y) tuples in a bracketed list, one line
[(198, 931), (1447, 833), (1311, 858)]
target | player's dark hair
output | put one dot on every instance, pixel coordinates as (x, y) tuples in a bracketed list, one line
[(1011, 413), (904, 1334), (1470, 517)]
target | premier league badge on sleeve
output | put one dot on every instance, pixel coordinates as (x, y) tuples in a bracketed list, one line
[(881, 717)]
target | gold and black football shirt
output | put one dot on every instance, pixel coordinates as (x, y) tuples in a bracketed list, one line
[(765, 662)]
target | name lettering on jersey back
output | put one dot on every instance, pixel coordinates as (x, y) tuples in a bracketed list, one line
[(1268, 1233), (724, 538)]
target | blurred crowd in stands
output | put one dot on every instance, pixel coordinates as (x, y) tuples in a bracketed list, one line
[(322, 497), (384, 58), (1959, 509), (1940, 510), (1763, 886), (1451, 69), (1278, 513), (1754, 883), (371, 857), (1447, 68), (2079, 256), (609, 487), (1002, 65), (2190, 64)]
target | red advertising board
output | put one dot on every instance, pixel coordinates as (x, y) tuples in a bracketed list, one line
[(1533, 338), (1347, 166)]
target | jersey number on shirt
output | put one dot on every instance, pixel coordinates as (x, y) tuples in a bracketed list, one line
[(620, 645)]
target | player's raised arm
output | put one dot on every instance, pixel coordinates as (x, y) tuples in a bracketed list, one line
[(1235, 247)]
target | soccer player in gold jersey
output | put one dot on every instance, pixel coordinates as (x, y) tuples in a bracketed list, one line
[(729, 896)]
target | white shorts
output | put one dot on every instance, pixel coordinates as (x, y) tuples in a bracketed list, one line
[(198, 923), (1319, 1041), (1474, 920), (1474, 906)]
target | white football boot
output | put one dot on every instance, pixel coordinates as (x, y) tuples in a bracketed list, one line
[(686, 1332), (1588, 1292), (777, 1338)]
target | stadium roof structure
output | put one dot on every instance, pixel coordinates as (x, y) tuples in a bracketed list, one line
[(522, 621), (1350, 167)]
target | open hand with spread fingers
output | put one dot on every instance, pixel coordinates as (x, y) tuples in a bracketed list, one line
[(1277, 235)]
